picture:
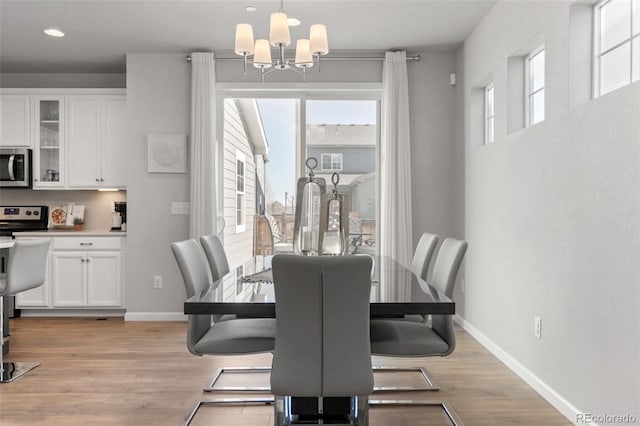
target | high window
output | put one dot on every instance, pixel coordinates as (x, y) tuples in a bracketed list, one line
[(534, 86), (331, 162), (617, 44), (489, 132), (240, 194)]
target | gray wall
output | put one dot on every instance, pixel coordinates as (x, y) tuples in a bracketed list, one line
[(158, 100), (553, 218)]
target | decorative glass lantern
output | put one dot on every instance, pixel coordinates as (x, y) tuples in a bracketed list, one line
[(306, 231), (334, 221)]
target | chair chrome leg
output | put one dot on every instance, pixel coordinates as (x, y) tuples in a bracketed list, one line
[(210, 387), (223, 401), (445, 405), (430, 385), (11, 371), (362, 416)]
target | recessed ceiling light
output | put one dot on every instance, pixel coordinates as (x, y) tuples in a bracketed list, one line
[(54, 32), (293, 22), (251, 9)]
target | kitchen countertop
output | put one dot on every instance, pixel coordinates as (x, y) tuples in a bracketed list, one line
[(71, 233)]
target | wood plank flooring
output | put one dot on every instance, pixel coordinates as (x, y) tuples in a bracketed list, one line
[(111, 372)]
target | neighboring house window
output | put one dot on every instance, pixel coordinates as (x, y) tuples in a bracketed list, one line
[(534, 84), (617, 44), (240, 191), (489, 133), (331, 162)]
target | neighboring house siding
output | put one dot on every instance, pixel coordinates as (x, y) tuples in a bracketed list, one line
[(238, 246), (354, 159)]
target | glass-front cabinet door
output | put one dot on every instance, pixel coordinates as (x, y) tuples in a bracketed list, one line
[(49, 142)]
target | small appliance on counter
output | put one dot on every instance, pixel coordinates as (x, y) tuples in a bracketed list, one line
[(119, 218)]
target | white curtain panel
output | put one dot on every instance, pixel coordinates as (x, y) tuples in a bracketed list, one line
[(395, 162), (203, 185)]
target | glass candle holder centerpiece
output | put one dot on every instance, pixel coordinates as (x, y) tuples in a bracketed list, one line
[(306, 231), (334, 221)]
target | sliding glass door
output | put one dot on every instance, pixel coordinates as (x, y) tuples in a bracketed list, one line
[(266, 140)]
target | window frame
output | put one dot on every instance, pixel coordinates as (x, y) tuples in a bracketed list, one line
[(528, 80), (241, 195), (332, 155), (489, 115), (598, 54)]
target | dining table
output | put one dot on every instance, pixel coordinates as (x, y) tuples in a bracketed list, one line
[(395, 292)]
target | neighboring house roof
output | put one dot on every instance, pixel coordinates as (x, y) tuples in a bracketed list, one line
[(249, 110), (342, 135)]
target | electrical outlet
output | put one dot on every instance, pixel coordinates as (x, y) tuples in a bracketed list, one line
[(157, 281), (537, 327)]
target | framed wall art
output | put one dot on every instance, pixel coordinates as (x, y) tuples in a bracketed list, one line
[(166, 153)]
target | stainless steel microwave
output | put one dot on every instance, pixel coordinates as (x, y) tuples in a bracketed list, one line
[(15, 168)]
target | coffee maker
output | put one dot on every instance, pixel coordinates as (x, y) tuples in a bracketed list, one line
[(120, 207)]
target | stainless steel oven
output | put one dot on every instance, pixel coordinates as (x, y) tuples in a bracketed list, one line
[(15, 168)]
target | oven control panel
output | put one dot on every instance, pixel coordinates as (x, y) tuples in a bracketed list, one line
[(22, 213)]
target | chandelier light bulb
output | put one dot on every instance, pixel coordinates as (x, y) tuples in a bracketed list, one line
[(262, 56), (304, 59)]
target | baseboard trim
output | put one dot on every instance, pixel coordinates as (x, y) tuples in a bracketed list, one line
[(155, 316), (76, 313), (554, 398)]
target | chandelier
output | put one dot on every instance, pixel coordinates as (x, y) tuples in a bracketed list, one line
[(308, 51)]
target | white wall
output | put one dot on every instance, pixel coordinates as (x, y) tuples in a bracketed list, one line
[(553, 218)]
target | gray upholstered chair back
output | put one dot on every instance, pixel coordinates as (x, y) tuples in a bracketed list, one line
[(444, 276), (216, 256), (26, 268), (196, 279), (422, 255), (447, 265), (322, 326)]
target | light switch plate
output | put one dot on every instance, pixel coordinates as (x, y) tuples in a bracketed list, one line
[(178, 207)]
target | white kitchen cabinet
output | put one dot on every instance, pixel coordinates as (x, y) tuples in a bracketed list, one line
[(86, 279), (83, 272), (69, 279), (15, 122), (49, 137), (96, 141)]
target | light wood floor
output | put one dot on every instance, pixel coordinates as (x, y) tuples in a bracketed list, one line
[(111, 372)]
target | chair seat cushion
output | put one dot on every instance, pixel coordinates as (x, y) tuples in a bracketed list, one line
[(239, 336), (405, 338)]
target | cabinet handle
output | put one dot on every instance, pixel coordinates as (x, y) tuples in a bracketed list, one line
[(82, 260), (86, 244), (97, 180), (101, 180), (88, 260)]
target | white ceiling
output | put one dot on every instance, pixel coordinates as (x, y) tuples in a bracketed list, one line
[(99, 33)]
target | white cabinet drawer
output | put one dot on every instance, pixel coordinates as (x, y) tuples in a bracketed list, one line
[(87, 243)]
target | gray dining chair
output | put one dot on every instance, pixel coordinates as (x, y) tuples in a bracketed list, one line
[(26, 269), (322, 328), (399, 338), (420, 267), (217, 258), (423, 254), (240, 336)]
